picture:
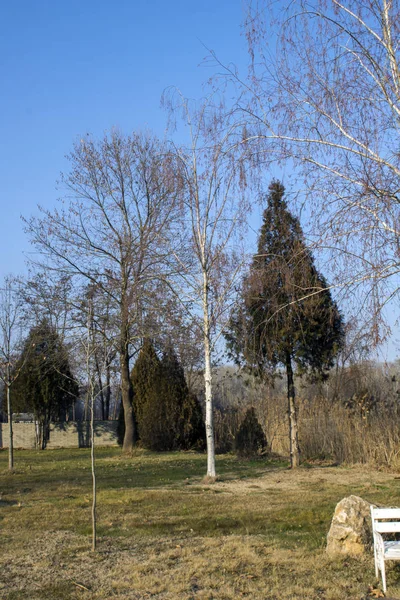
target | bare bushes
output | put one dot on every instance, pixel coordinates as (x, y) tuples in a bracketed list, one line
[(352, 418), (327, 430), (334, 431), (226, 426)]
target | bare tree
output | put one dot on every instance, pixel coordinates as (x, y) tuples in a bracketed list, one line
[(212, 175), (324, 93), (111, 231), (10, 317)]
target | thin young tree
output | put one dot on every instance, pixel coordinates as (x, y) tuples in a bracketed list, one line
[(286, 315), (111, 232), (11, 306), (90, 352), (212, 172), (105, 331)]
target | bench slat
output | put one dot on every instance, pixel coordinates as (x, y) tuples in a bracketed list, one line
[(392, 550), (387, 527), (386, 513)]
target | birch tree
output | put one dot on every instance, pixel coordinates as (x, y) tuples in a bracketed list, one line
[(212, 171), (111, 230), (324, 93)]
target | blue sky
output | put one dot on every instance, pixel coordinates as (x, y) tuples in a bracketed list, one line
[(87, 66)]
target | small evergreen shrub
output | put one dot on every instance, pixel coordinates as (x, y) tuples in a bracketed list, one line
[(169, 416), (250, 439)]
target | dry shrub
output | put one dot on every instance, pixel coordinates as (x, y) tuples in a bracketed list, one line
[(353, 418), (226, 426), (334, 431)]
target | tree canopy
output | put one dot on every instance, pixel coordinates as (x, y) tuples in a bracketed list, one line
[(286, 308), (111, 231), (327, 100)]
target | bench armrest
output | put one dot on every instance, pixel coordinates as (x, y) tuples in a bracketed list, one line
[(379, 545)]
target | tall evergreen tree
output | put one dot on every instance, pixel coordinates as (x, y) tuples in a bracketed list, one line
[(45, 385), (286, 315)]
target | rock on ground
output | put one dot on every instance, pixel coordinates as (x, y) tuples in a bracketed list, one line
[(350, 531)]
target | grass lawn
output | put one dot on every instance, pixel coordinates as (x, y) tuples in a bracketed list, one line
[(259, 532)]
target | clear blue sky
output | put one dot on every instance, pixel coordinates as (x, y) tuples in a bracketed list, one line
[(68, 68), (87, 66)]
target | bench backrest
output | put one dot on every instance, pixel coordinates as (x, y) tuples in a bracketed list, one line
[(389, 523)]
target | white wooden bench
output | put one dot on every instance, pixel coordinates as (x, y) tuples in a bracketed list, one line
[(385, 520)]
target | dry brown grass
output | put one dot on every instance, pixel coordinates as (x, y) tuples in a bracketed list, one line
[(259, 532)]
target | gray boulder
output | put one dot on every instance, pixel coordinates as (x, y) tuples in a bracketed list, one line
[(350, 531)]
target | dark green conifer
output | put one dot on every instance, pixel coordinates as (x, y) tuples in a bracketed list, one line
[(169, 417), (250, 438), (183, 411), (45, 385), (194, 433), (144, 376), (286, 315)]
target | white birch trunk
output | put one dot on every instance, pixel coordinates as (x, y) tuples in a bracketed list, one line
[(10, 431), (208, 383)]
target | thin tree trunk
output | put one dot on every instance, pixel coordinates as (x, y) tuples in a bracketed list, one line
[(292, 411), (130, 436), (108, 392), (90, 381), (86, 407), (10, 431), (100, 383), (208, 384), (94, 491), (45, 431)]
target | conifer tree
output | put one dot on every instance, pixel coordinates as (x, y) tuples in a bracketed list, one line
[(286, 315), (183, 413), (144, 375), (169, 417), (45, 385), (250, 438)]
